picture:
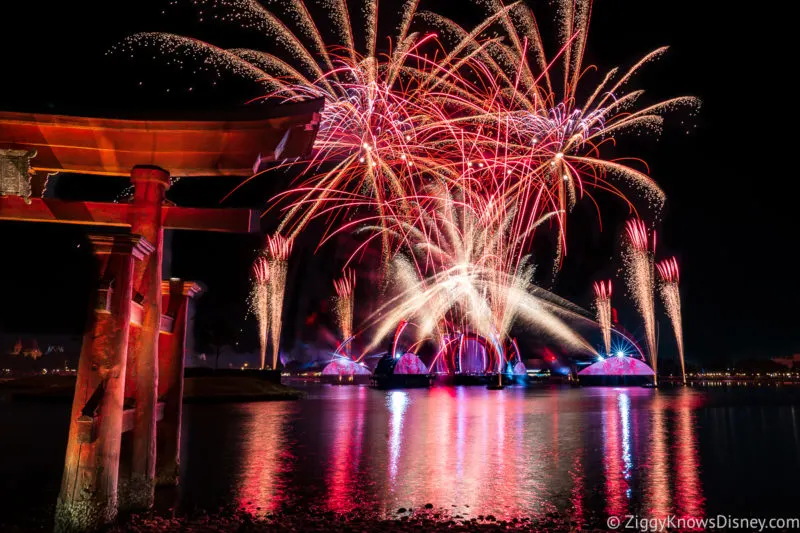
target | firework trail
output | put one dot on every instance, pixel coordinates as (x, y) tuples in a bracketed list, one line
[(544, 134), (260, 303), (464, 273), (602, 292), (671, 295), (494, 109), (490, 115), (278, 249), (639, 265), (345, 286)]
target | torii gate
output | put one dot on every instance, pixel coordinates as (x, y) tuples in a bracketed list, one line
[(133, 353)]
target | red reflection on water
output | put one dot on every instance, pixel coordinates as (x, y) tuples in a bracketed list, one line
[(508, 453), (657, 495), (554, 403), (264, 460), (440, 456), (578, 488), (345, 455), (616, 486), (397, 401), (689, 499)]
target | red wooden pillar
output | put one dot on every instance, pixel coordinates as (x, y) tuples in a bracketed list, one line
[(177, 297), (150, 184), (88, 497)]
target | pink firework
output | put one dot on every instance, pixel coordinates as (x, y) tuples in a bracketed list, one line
[(260, 270), (670, 294), (344, 303), (668, 270), (637, 233), (639, 263), (279, 247), (259, 301), (278, 250), (346, 284), (602, 291)]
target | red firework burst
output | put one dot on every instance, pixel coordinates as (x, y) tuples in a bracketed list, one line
[(279, 247), (637, 233), (602, 289), (346, 284), (260, 270), (668, 270)]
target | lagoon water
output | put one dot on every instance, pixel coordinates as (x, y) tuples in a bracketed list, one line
[(588, 453)]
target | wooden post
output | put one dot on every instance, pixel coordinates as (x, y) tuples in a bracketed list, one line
[(177, 298), (88, 497), (137, 489)]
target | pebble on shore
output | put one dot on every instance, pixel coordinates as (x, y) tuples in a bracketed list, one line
[(301, 520)]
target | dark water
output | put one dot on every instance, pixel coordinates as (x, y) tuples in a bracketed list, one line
[(589, 452)]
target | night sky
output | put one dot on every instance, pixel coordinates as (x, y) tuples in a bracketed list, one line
[(731, 214)]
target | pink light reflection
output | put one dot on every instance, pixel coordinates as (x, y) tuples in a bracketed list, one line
[(689, 499), (263, 460)]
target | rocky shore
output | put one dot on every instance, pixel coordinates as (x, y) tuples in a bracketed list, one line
[(426, 519)]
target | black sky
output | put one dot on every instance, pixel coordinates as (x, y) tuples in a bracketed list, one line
[(731, 214)]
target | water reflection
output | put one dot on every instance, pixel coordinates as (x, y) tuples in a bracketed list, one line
[(345, 455), (589, 453), (657, 495), (397, 402), (264, 455), (689, 500), (616, 485)]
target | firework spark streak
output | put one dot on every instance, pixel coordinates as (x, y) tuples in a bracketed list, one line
[(464, 273), (452, 148), (671, 295), (278, 249), (639, 264), (602, 292), (466, 106), (345, 286), (260, 303)]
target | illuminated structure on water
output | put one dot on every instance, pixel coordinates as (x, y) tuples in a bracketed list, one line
[(616, 370), (345, 371), (410, 363)]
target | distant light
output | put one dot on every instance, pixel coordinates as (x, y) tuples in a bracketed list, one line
[(480, 165), (361, 159), (620, 354), (566, 178), (469, 164), (601, 358), (366, 146), (408, 137), (559, 155)]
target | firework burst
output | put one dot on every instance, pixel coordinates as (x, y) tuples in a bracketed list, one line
[(547, 135), (602, 292), (277, 249), (639, 264), (345, 287), (464, 273), (671, 295), (259, 301), (454, 147)]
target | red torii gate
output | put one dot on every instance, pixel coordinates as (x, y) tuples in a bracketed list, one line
[(132, 352)]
